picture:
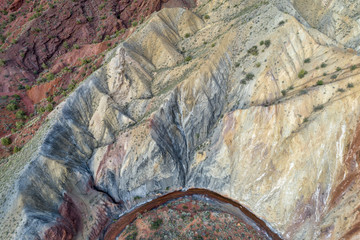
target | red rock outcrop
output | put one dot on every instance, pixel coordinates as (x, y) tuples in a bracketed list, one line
[(39, 92), (16, 5), (69, 225)]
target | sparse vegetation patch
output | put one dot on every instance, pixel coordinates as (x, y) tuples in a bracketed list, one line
[(302, 73)]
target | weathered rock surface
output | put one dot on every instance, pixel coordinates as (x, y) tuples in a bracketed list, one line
[(49, 46), (175, 106)]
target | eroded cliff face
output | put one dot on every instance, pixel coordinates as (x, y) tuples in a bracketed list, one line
[(183, 103)]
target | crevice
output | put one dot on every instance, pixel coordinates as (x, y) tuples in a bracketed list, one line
[(96, 188)]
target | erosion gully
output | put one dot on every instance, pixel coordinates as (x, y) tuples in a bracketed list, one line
[(117, 227)]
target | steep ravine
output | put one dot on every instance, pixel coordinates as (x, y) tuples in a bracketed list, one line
[(184, 104)]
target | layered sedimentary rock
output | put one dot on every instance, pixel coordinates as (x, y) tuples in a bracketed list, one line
[(188, 101)]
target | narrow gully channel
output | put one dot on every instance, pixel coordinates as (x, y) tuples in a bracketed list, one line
[(115, 229)]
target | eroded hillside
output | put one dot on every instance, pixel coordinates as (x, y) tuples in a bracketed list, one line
[(49, 47), (250, 99)]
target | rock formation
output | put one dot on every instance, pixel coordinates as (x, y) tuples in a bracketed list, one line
[(47, 47), (255, 100)]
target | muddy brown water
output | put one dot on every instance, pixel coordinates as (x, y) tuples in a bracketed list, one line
[(117, 227)]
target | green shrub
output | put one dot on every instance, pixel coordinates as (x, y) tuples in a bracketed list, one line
[(243, 81), (156, 224), (267, 43), (318, 108), (19, 125), (350, 85), (20, 114), (12, 17), (2, 38), (41, 109), (323, 65), (353, 67), (66, 45), (303, 91), (11, 107), (249, 76), (16, 96), (134, 23), (50, 77), (187, 35), (2, 62), (206, 16), (36, 15), (71, 87), (76, 46), (188, 58), (5, 141), (237, 64), (333, 76), (49, 107), (137, 198), (257, 64), (302, 73), (132, 236), (253, 51), (307, 60), (320, 82), (261, 43), (283, 92), (338, 69), (16, 149), (213, 45), (85, 61), (281, 23), (66, 70), (341, 90), (102, 6)]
